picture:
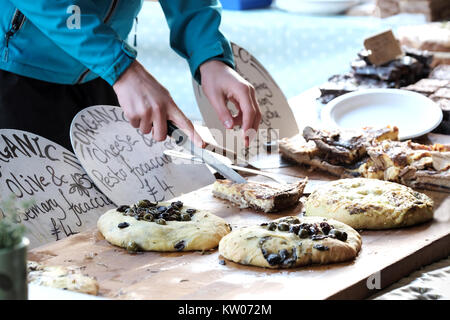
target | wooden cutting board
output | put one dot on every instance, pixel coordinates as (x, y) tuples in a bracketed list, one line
[(386, 256)]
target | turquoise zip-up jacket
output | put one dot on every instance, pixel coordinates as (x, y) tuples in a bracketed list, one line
[(43, 39)]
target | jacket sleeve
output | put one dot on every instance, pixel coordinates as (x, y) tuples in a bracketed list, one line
[(194, 32), (94, 44)]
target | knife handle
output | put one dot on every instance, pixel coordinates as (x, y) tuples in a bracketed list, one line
[(176, 133)]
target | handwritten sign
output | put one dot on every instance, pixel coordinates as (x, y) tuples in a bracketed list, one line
[(383, 47), (277, 118), (64, 201), (127, 165)]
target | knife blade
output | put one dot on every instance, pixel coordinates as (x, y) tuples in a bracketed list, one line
[(182, 140), (313, 183)]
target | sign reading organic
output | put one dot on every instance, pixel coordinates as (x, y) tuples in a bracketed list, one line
[(127, 165), (61, 200), (277, 118)]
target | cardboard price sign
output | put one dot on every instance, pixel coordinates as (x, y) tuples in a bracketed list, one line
[(383, 47), (62, 199), (277, 118), (127, 165)]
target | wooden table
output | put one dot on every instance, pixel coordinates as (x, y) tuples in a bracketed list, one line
[(386, 256)]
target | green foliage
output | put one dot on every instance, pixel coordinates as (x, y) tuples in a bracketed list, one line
[(11, 230)]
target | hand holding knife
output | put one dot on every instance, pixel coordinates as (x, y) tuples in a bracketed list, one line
[(182, 140)]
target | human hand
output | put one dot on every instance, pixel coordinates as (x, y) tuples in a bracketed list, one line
[(148, 105), (221, 84)]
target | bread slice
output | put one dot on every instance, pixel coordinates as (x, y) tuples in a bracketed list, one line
[(59, 277), (260, 196)]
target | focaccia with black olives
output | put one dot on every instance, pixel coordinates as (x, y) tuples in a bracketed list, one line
[(291, 242), (147, 226)]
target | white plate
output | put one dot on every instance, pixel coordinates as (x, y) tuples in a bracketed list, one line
[(413, 113), (324, 7)]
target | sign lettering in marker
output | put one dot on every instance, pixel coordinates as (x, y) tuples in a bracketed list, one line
[(277, 118), (127, 165), (62, 200)]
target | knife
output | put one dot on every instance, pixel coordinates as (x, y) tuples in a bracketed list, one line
[(312, 184), (182, 155), (182, 140)]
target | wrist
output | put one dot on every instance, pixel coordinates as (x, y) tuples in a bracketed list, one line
[(211, 65), (127, 74)]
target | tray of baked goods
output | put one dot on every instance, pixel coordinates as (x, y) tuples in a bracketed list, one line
[(380, 211)]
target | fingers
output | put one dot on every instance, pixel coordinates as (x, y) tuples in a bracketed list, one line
[(159, 123), (258, 116), (146, 122), (249, 112), (135, 121), (219, 103), (237, 119)]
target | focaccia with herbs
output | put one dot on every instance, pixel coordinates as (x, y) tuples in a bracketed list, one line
[(370, 204)]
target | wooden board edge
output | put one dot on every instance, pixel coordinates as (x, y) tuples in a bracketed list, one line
[(433, 252)]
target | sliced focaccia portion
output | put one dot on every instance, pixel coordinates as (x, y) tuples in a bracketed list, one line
[(347, 146), (431, 180), (305, 152), (412, 164), (266, 197), (148, 226), (59, 277), (291, 242), (339, 152), (393, 156), (375, 154), (370, 204)]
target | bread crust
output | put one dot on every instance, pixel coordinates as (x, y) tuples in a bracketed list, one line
[(254, 245), (260, 196), (370, 204)]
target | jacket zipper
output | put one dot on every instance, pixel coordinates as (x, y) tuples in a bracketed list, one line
[(111, 10), (16, 23), (135, 32), (108, 16)]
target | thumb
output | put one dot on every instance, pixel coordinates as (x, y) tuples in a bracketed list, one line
[(180, 119)]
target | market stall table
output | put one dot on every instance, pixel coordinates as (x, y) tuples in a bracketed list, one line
[(386, 255)]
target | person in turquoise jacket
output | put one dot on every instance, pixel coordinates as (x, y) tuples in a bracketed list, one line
[(58, 57)]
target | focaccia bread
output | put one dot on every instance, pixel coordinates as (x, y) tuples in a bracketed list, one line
[(370, 204), (291, 242), (266, 197), (162, 226), (67, 278)]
